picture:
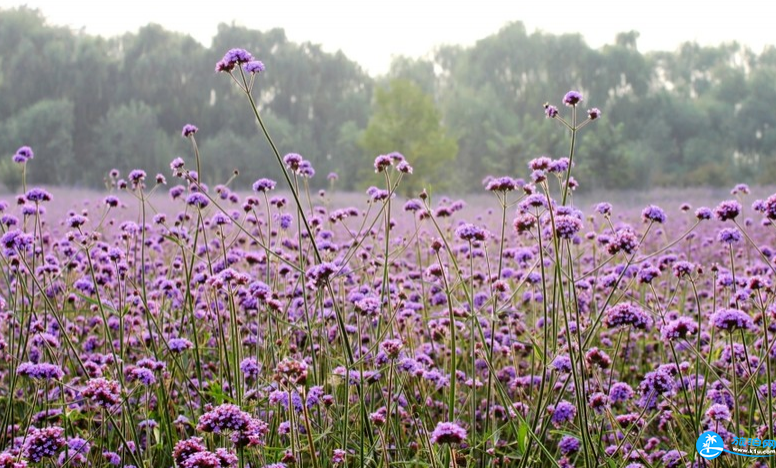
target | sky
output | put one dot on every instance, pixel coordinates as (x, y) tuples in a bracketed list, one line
[(372, 32)]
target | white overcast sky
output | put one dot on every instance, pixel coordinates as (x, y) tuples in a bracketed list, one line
[(370, 32)]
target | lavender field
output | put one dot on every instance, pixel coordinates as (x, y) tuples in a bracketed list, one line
[(168, 322)]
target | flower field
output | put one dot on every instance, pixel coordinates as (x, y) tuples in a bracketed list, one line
[(219, 329)]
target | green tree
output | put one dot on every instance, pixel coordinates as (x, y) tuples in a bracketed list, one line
[(405, 119), (47, 127), (128, 137)]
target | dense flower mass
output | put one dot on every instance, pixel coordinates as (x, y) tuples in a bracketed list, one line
[(218, 327)]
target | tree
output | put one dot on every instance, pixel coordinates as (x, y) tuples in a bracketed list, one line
[(405, 119)]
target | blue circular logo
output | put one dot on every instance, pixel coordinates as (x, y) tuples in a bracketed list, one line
[(710, 445)]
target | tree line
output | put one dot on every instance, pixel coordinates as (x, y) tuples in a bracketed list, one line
[(86, 104)]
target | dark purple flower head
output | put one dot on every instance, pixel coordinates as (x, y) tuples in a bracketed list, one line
[(470, 232), (197, 200), (501, 184), (679, 328), (620, 392), (703, 213), (653, 214), (568, 445), (567, 226), (264, 185), (382, 162), (102, 392), (740, 188), (226, 417), (604, 208), (769, 208), (292, 161), (550, 111), (40, 371), (562, 413), (232, 58), (23, 155), (729, 235), (291, 371), (572, 98), (542, 163), (727, 210), (404, 167), (38, 195), (43, 443), (624, 240), (627, 313), (189, 130), (136, 177), (593, 113), (732, 319), (448, 433), (254, 67), (186, 448)]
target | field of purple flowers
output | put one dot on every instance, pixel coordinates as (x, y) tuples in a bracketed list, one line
[(269, 330)]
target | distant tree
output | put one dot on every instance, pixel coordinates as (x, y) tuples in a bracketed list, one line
[(47, 127), (405, 119), (128, 137)]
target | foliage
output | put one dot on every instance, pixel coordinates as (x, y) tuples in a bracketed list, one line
[(405, 119)]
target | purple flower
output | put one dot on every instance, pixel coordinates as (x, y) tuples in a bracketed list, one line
[(41, 371), (226, 417), (232, 58), (593, 113), (501, 184), (186, 448), (264, 185), (43, 443), (550, 111), (102, 392), (568, 445), (37, 195), (727, 210), (254, 67), (654, 214), (625, 240), (382, 162), (188, 130), (470, 232), (604, 209), (620, 392), (732, 319), (23, 155), (718, 413), (250, 368), (627, 313), (292, 161), (703, 213), (567, 226), (448, 433), (178, 345), (729, 236), (562, 413), (572, 98), (679, 328), (198, 200)]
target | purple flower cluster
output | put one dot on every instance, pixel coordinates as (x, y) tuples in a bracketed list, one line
[(448, 433), (627, 314)]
